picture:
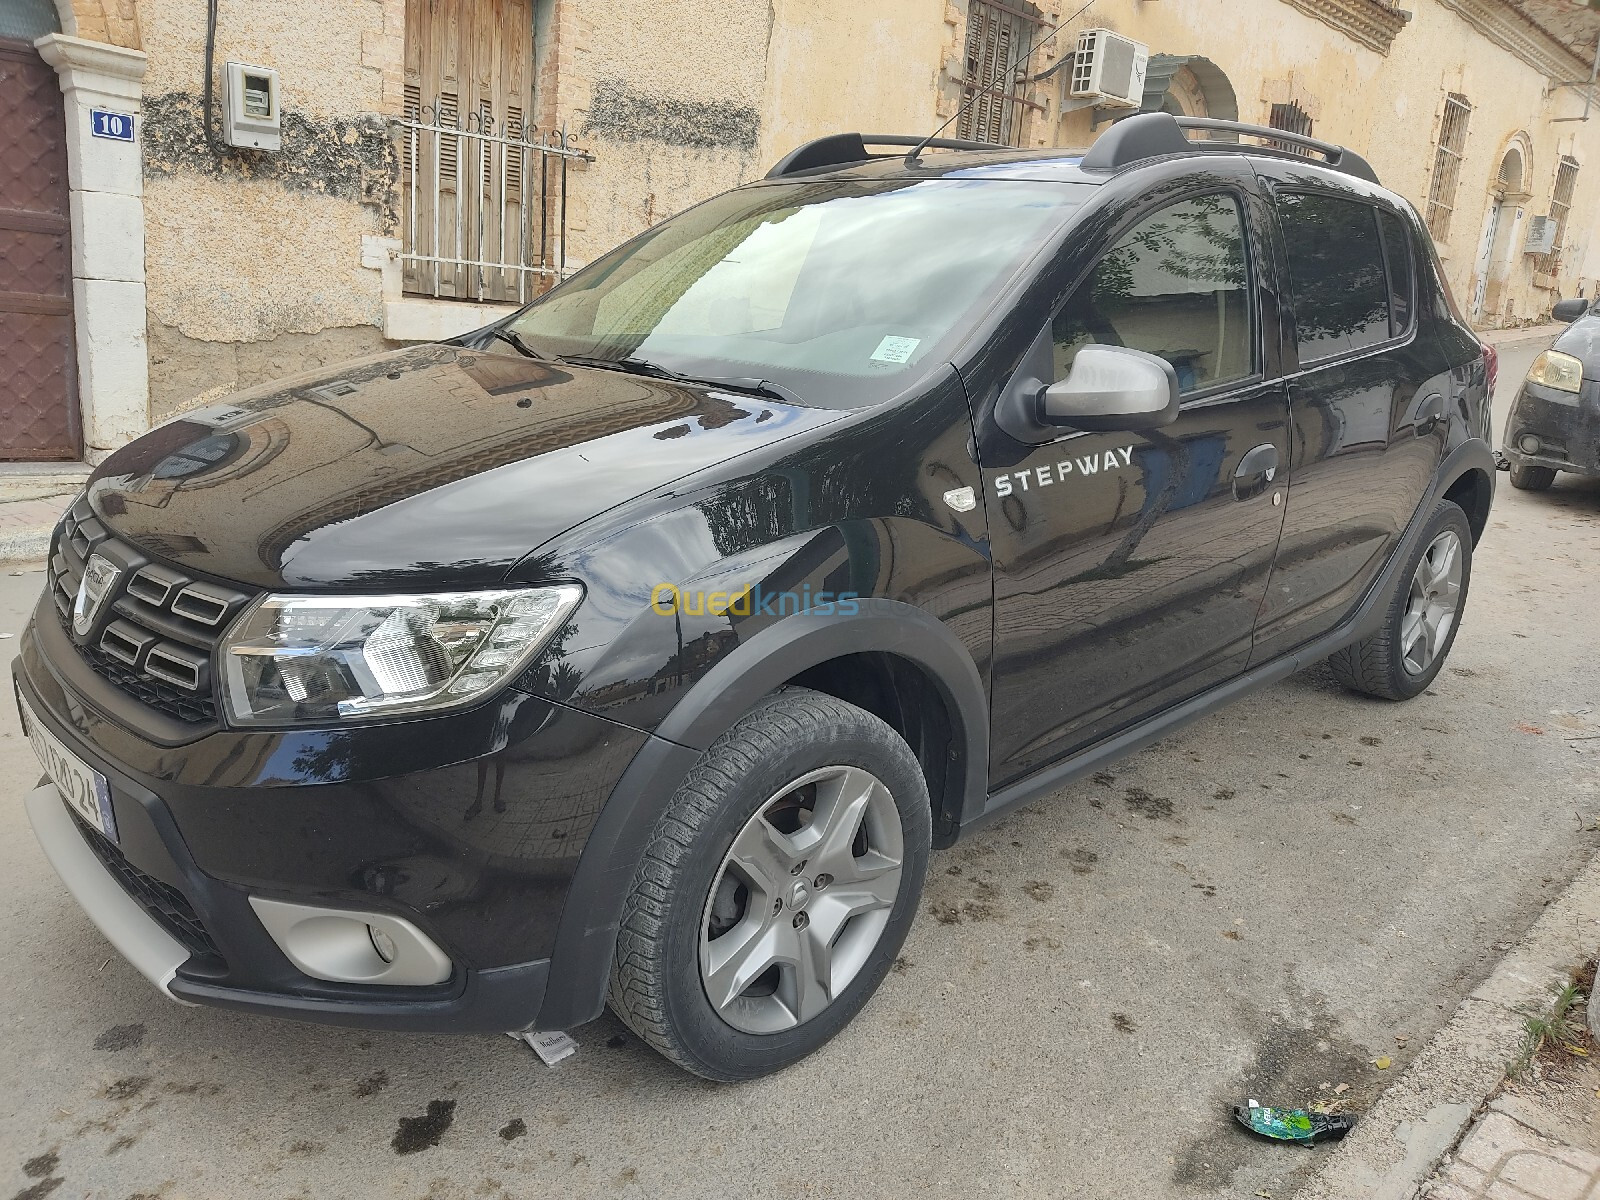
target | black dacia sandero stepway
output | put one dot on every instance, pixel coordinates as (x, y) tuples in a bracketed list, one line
[(638, 649)]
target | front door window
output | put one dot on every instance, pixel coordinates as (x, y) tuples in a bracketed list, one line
[(1176, 287)]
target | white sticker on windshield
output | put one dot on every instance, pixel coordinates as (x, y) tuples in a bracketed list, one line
[(896, 349)]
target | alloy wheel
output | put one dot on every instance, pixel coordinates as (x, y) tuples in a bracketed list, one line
[(801, 899), (1433, 603)]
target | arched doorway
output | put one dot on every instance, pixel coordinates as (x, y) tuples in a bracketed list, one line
[(1185, 97), (1497, 246), (1188, 85)]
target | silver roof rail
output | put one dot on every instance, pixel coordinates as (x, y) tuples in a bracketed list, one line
[(1153, 135), (842, 149), (1340, 158)]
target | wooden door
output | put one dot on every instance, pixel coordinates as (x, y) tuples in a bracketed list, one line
[(38, 354), (469, 66)]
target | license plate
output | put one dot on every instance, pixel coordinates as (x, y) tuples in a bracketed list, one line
[(79, 784)]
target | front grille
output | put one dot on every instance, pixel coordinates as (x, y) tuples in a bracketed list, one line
[(171, 910), (175, 702), (157, 629)]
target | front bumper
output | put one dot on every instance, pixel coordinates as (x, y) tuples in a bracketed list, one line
[(126, 923), (488, 1001), (469, 826), (1568, 433)]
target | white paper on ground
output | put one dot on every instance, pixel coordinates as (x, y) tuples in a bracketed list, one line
[(552, 1047)]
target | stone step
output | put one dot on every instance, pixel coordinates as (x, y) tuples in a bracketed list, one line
[(41, 481)]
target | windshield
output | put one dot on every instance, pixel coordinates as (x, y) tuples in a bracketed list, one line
[(838, 291)]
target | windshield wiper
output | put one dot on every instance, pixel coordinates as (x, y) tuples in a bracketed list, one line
[(514, 339), (633, 366), (755, 387), (642, 366)]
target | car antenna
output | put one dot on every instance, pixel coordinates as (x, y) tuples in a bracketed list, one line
[(1036, 44)]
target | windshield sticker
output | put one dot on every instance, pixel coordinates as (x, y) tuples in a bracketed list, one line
[(896, 349)]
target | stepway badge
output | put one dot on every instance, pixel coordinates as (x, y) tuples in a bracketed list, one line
[(114, 125)]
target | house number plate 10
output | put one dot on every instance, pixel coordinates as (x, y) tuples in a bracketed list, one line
[(114, 125)]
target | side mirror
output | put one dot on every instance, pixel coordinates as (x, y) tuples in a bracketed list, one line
[(1113, 388), (1570, 310)]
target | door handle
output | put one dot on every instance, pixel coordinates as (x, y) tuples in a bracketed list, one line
[(1257, 469), (1429, 413)]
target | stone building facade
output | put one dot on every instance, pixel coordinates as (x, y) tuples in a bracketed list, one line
[(443, 158)]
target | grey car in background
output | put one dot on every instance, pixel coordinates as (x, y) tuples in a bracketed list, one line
[(1555, 420)]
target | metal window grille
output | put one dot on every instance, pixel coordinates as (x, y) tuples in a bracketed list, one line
[(484, 203), (1290, 118), (1560, 206), (1447, 157), (999, 38)]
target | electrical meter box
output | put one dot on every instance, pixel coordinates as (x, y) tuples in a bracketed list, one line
[(1541, 235), (252, 110)]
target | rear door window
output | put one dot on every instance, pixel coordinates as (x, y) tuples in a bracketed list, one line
[(1177, 286), (1336, 264)]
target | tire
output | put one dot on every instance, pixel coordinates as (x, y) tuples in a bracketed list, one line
[(1532, 479), (751, 791), (1432, 591)]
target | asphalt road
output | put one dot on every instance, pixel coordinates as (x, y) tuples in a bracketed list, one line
[(1261, 906)]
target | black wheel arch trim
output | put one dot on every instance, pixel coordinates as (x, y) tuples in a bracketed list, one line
[(1472, 454), (797, 643), (580, 965), (1472, 457)]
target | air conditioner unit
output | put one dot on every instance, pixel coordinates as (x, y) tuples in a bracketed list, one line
[(1541, 235), (1110, 69)]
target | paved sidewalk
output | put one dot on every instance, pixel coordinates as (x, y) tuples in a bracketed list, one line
[(1539, 1137), (1503, 1158), (1529, 333), (25, 527)]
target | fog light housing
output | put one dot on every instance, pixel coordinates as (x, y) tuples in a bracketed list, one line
[(1529, 443), (343, 946)]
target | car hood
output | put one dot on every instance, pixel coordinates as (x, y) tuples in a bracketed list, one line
[(1581, 339), (436, 465)]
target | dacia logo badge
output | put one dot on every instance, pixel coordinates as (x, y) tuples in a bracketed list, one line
[(99, 574)]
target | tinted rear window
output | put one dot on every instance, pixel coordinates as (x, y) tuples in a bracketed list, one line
[(1336, 264), (1397, 250)]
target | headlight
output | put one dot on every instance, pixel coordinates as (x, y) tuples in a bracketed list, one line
[(1553, 369), (308, 659)]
